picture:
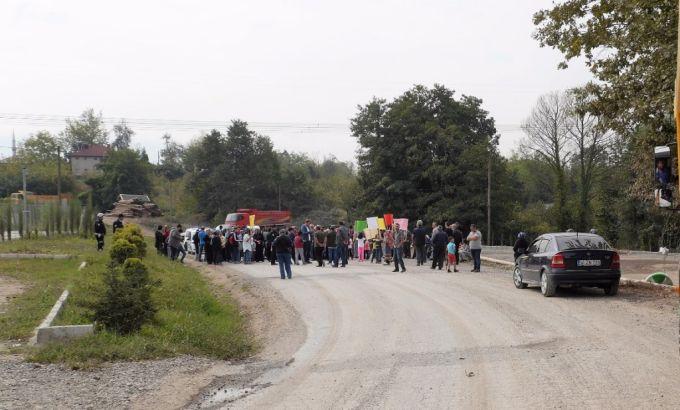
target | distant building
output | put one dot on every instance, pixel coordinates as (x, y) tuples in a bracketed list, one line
[(85, 160)]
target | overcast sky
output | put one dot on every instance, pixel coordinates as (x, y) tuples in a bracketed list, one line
[(284, 66)]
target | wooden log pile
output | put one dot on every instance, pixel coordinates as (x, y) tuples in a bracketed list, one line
[(133, 208)]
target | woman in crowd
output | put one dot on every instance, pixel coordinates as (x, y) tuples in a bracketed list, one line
[(258, 238), (216, 245), (247, 242)]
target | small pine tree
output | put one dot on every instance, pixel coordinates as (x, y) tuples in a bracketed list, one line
[(126, 304)]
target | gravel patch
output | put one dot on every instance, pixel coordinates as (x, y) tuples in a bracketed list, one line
[(115, 385)]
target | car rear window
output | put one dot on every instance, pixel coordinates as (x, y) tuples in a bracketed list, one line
[(565, 243)]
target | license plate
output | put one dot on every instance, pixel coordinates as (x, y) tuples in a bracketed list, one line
[(589, 262)]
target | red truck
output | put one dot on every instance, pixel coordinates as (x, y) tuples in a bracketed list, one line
[(241, 218)]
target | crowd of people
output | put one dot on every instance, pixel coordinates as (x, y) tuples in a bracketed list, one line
[(330, 245)]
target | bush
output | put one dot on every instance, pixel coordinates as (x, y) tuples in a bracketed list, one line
[(126, 305), (122, 250), (132, 234)]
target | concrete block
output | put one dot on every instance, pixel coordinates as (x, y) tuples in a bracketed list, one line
[(60, 333)]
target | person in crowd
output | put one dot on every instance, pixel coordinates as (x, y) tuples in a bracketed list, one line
[(331, 244), (258, 240), (202, 236), (176, 246), (268, 243), (196, 241), (474, 240), (247, 243), (118, 223), (361, 243), (166, 237), (216, 246), (439, 241), (435, 228), (457, 240), (448, 228), (398, 256), (282, 247), (232, 240), (209, 256), (343, 241), (306, 232), (451, 255), (299, 249), (378, 246), (319, 245), (226, 254), (428, 247), (419, 235), (158, 239), (521, 245), (100, 231), (389, 245), (272, 252), (407, 244)]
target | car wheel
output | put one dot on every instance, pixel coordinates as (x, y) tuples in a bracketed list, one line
[(517, 279), (612, 289), (548, 288)]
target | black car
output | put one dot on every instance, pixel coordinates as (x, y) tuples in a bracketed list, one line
[(568, 259)]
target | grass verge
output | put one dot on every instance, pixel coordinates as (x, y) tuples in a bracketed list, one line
[(191, 319)]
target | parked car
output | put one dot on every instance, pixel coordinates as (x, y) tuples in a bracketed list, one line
[(188, 240), (568, 259)]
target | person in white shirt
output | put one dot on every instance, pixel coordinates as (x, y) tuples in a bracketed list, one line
[(474, 240), (247, 247)]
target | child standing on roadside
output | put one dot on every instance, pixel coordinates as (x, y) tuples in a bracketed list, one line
[(451, 255)]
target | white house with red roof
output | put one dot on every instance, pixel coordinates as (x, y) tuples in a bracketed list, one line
[(85, 160)]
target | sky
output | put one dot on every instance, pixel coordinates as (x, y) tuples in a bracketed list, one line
[(295, 70)]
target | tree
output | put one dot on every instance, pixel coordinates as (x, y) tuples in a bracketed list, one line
[(547, 130), (425, 155), (122, 136), (41, 147), (87, 130), (588, 136), (629, 46), (115, 178), (171, 165)]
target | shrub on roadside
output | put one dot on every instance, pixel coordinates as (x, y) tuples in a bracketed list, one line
[(126, 304), (121, 250), (133, 234)]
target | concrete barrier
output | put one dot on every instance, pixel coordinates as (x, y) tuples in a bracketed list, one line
[(46, 333), (33, 256)]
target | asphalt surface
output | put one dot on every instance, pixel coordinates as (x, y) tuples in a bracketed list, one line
[(431, 339)]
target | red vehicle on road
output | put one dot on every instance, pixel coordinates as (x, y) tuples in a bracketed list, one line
[(241, 218)]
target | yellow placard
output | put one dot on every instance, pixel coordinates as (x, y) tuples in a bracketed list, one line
[(252, 220), (381, 223)]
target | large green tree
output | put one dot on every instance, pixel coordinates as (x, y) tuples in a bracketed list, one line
[(124, 171), (88, 129), (425, 155)]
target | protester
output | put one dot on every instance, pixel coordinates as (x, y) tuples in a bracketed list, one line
[(474, 239), (361, 243), (196, 241), (439, 241), (457, 240), (166, 237), (100, 231), (118, 223), (521, 245), (202, 238), (331, 244), (342, 243), (282, 247), (232, 240), (407, 244), (306, 232), (419, 235), (216, 247), (247, 242), (319, 244), (451, 255), (389, 244), (258, 240), (158, 236), (175, 243), (399, 238)]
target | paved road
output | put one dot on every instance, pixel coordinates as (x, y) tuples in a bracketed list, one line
[(429, 339)]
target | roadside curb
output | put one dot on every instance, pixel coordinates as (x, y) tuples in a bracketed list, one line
[(33, 256), (47, 333)]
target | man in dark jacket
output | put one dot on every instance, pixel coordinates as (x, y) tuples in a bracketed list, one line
[(521, 245), (419, 235), (439, 241), (342, 240), (100, 231), (282, 246), (118, 223), (159, 239)]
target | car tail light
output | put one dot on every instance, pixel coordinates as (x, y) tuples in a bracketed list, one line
[(558, 261), (616, 261)]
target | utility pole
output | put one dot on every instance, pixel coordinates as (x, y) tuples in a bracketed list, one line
[(25, 203), (58, 175), (488, 200)]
